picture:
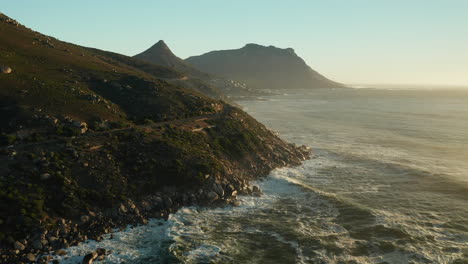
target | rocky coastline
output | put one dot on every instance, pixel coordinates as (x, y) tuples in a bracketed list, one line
[(42, 246), (92, 141)]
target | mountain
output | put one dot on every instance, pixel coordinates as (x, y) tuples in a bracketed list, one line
[(161, 54), (262, 67), (92, 140), (209, 84)]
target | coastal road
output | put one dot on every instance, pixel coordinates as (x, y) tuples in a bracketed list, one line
[(179, 122)]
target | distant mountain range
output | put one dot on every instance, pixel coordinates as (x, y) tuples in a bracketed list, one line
[(263, 67), (195, 79), (251, 70)]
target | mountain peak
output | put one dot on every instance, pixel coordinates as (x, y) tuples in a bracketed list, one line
[(253, 45), (160, 45), (161, 54)]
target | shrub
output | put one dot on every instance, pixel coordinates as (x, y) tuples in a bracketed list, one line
[(148, 121), (7, 139)]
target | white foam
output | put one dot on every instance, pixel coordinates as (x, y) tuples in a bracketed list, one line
[(126, 246), (192, 234), (203, 253)]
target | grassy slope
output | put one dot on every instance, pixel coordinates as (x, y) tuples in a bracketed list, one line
[(56, 77)]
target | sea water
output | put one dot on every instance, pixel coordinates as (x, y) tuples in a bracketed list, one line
[(387, 183)]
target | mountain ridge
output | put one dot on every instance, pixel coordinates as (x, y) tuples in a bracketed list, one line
[(209, 84), (263, 67)]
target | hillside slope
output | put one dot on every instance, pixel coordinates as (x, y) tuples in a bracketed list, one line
[(92, 140), (263, 67)]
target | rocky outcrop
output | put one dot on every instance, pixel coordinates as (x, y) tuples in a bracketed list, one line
[(217, 190), (91, 165)]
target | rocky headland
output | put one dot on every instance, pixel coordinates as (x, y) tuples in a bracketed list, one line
[(92, 141)]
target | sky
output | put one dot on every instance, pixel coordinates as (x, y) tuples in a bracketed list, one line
[(350, 41)]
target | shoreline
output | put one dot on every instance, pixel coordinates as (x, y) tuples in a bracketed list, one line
[(216, 192)]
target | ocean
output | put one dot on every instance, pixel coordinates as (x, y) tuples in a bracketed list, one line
[(387, 183)]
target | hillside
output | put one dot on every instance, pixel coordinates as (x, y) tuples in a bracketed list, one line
[(262, 67), (92, 140)]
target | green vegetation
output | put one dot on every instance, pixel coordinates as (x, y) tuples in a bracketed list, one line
[(7, 139), (232, 138)]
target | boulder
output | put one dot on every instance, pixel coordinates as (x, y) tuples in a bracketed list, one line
[(122, 209), (60, 252), (37, 244), (256, 191), (218, 189), (5, 69), (101, 251), (81, 125), (52, 239), (212, 196), (30, 257), (158, 202), (45, 259), (88, 259), (246, 191), (18, 245), (54, 121), (84, 219), (44, 242), (229, 188), (63, 230), (45, 176), (146, 206), (167, 202)]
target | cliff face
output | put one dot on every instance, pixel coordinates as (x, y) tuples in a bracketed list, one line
[(93, 140), (263, 68)]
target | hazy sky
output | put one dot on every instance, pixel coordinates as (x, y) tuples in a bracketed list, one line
[(350, 41)]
